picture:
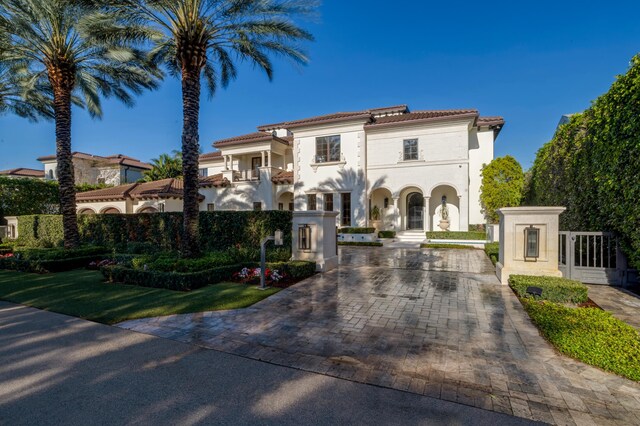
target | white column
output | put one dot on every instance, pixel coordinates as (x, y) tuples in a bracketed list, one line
[(230, 162), (463, 203), (226, 165), (427, 215), (269, 157), (262, 154), (396, 211)]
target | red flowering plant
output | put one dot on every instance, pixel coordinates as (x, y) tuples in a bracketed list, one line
[(252, 276), (5, 256)]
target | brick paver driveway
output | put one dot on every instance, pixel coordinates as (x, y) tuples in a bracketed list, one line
[(433, 322)]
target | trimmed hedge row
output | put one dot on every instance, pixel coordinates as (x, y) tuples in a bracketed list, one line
[(218, 230), (559, 290), (448, 246), (456, 235), (493, 252), (359, 243), (42, 266), (387, 234), (181, 281), (356, 230), (57, 253), (590, 335)]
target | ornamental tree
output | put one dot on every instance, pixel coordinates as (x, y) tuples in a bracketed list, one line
[(502, 186)]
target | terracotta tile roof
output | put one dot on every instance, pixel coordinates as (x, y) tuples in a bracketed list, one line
[(111, 159), (113, 193), (23, 172), (329, 118), (490, 121), (216, 181), (283, 178), (166, 188), (422, 116), (211, 156), (250, 138)]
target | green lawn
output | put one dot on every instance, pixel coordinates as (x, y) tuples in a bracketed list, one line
[(83, 294)]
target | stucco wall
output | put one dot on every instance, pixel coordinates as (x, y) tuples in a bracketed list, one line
[(481, 151)]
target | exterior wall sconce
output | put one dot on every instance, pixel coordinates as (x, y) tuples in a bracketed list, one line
[(531, 243), (304, 237)]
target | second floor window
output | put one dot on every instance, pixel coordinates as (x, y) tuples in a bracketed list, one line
[(328, 149), (328, 202), (410, 149), (312, 203), (203, 172)]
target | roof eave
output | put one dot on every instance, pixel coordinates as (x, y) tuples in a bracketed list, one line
[(422, 121)]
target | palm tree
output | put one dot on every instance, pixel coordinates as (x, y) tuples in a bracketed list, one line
[(17, 96), (165, 167), (201, 40), (47, 39)]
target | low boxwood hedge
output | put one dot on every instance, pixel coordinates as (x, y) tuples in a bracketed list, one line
[(456, 235), (43, 266), (560, 290), (177, 281), (590, 335), (187, 281), (447, 246), (58, 253), (387, 234), (359, 243), (493, 252), (357, 230)]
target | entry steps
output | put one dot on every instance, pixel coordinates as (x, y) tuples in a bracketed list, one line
[(411, 236)]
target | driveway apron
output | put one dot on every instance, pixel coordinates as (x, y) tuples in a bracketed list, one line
[(432, 322)]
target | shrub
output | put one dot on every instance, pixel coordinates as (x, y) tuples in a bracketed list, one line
[(493, 252), (447, 246), (28, 196), (43, 266), (560, 290), (186, 281), (478, 228), (168, 280), (357, 230), (456, 235), (590, 335), (57, 253), (360, 243), (387, 234)]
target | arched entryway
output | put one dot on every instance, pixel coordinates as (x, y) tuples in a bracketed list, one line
[(148, 210), (285, 201), (87, 211), (415, 211), (444, 196), (110, 210)]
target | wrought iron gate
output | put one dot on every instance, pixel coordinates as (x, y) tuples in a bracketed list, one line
[(591, 257)]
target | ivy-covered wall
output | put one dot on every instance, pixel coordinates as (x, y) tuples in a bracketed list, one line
[(28, 196), (218, 230), (592, 166)]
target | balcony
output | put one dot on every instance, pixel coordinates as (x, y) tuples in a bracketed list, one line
[(252, 175)]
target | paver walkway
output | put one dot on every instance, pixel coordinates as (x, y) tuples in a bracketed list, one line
[(623, 304), (432, 322)]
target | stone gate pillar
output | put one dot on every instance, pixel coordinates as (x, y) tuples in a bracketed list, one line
[(528, 241), (315, 238)]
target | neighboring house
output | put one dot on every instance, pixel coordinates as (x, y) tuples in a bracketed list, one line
[(405, 163), (22, 173), (94, 169)]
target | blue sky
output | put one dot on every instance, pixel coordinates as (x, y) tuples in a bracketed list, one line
[(529, 63)]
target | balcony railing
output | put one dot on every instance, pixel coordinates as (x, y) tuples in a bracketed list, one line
[(246, 175)]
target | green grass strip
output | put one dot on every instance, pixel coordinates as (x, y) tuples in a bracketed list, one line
[(82, 293)]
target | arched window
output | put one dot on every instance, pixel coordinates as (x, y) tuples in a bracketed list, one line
[(148, 210), (86, 211), (111, 210)]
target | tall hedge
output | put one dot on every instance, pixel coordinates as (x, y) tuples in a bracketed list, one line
[(502, 185), (591, 166), (28, 196), (218, 230)]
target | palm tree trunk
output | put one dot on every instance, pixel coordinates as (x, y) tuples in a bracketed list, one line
[(66, 179), (190, 156)]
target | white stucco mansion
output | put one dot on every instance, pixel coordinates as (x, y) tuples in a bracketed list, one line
[(404, 162)]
